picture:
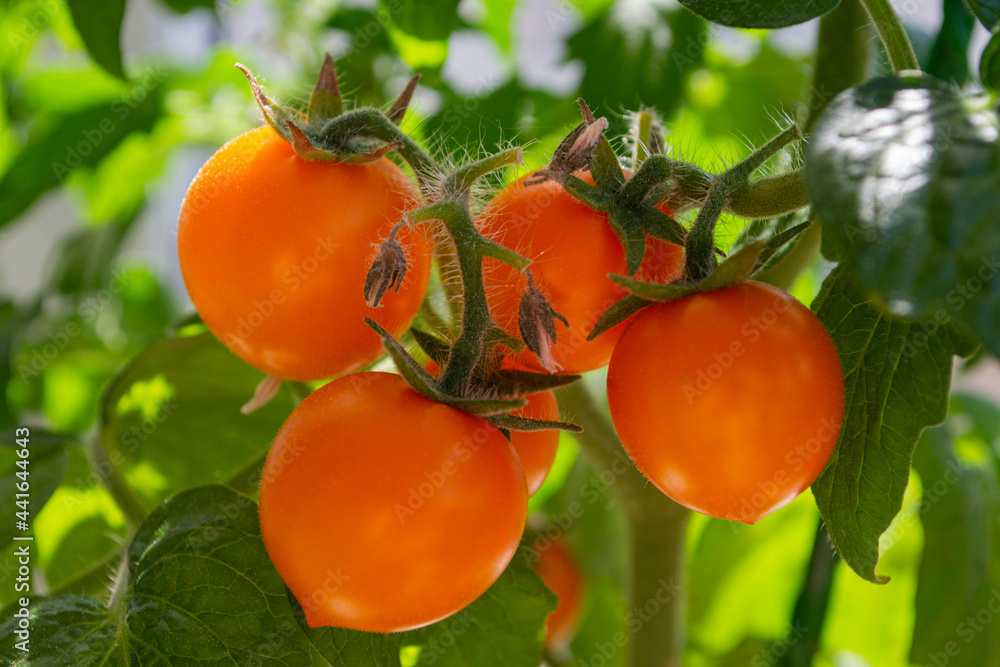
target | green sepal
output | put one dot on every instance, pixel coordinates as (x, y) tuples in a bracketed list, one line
[(629, 231), (514, 423), (604, 168), (497, 336), (591, 195), (412, 372), (651, 292), (325, 101), (435, 348), (777, 242), (734, 269), (517, 382), (618, 313), (659, 225), (485, 407), (276, 115)]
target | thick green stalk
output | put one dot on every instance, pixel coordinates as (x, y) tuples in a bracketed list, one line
[(657, 526), (893, 35), (813, 602)]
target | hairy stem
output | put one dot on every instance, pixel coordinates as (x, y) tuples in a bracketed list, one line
[(893, 35), (657, 527)]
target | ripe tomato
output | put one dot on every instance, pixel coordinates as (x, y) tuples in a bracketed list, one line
[(535, 449), (731, 401), (573, 249), (557, 568), (274, 250), (383, 510)]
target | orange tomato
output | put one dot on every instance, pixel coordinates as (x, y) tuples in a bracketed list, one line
[(573, 249), (274, 251), (535, 449), (558, 569), (383, 510), (730, 401)]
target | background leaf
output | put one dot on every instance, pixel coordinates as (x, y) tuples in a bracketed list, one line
[(99, 23), (172, 418), (988, 12), (903, 174), (47, 461), (897, 375), (761, 13), (66, 630)]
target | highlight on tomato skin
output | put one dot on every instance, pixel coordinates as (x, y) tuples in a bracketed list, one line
[(384, 511), (274, 250), (573, 249), (536, 450), (558, 569), (730, 402)]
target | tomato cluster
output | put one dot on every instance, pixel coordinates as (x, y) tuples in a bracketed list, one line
[(387, 503)]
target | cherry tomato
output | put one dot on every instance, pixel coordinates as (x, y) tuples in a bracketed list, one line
[(383, 510), (535, 449), (730, 401), (274, 251), (573, 249), (557, 568)]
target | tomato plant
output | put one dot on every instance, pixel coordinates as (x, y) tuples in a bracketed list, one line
[(275, 248), (353, 410)]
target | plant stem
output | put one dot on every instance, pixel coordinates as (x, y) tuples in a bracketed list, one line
[(813, 602), (657, 527), (107, 473), (644, 127), (843, 54), (893, 35)]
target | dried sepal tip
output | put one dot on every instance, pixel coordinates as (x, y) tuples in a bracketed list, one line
[(388, 269), (266, 390), (536, 319)]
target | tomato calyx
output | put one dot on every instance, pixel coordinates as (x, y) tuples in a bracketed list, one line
[(326, 132), (702, 270), (537, 324), (388, 269)]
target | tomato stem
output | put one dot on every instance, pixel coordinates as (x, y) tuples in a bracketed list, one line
[(893, 35)]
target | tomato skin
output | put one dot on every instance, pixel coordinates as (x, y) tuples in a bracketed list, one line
[(416, 507), (730, 401), (535, 449), (274, 251), (558, 569), (573, 249)]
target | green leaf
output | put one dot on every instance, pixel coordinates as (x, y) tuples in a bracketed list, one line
[(760, 14), (903, 174), (989, 64), (66, 630), (949, 60), (960, 567), (428, 20), (45, 467), (99, 23), (78, 139), (171, 418), (351, 648), (184, 6), (897, 374), (503, 628), (193, 562), (988, 12)]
